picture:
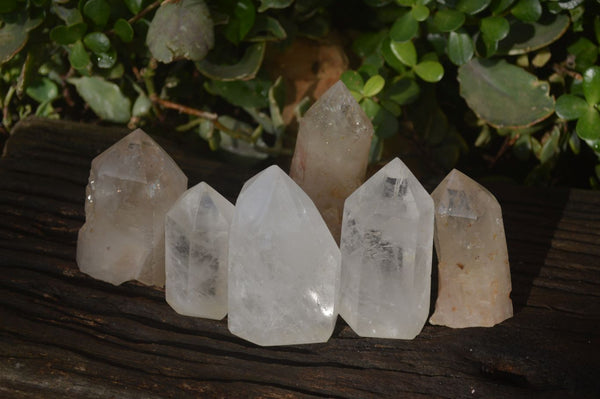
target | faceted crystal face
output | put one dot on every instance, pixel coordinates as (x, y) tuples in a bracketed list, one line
[(284, 265), (332, 152), (474, 274), (386, 245), (196, 240), (131, 186)]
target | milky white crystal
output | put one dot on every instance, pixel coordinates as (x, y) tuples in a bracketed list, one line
[(387, 240), (284, 265), (332, 150), (474, 274), (196, 240), (131, 186)]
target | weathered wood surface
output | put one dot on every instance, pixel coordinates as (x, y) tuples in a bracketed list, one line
[(64, 334)]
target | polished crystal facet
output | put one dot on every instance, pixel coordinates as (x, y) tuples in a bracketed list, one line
[(387, 239), (474, 275), (332, 152), (284, 265), (197, 238), (131, 186)]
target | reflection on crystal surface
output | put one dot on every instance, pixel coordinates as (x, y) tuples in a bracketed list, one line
[(284, 266), (331, 155), (197, 239), (386, 248), (131, 186), (474, 274)]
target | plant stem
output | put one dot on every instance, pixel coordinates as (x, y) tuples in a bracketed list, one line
[(145, 11)]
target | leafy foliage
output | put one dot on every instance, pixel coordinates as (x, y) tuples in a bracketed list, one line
[(444, 81)]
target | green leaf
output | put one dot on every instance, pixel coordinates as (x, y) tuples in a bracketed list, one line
[(570, 107), (550, 146), (242, 93), (447, 20), (242, 20), (389, 57), (7, 6), (107, 59), (370, 107), (384, 122), (123, 30), (368, 42), (353, 81), (104, 98), (585, 52), (98, 42), (65, 35), (42, 90), (591, 85), (405, 28), (141, 106), (499, 6), (376, 150), (472, 6), (267, 4), (79, 58), (14, 34), (246, 68), (588, 124), (420, 12), (180, 30), (527, 10), (430, 71), (524, 37), (276, 104), (460, 47), (70, 16), (98, 11), (373, 86), (405, 52), (494, 29), (266, 28), (402, 92), (135, 6), (504, 95)]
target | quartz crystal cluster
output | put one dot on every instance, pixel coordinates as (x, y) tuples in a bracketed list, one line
[(131, 186), (386, 245), (332, 150), (197, 241), (284, 265), (474, 275), (272, 263)]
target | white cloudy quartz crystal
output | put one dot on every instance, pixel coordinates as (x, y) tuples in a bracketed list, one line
[(284, 265), (131, 186), (332, 152), (386, 245), (196, 240)]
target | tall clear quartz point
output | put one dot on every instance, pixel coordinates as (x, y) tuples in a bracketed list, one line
[(474, 274), (131, 186), (387, 240), (284, 265), (332, 152), (196, 240)]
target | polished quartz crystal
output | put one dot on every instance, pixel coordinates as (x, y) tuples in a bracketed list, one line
[(284, 265), (197, 239), (131, 186), (386, 245), (332, 150), (474, 274)]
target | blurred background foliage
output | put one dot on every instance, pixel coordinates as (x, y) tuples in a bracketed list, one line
[(502, 89)]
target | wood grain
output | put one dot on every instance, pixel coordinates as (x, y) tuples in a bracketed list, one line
[(64, 334)]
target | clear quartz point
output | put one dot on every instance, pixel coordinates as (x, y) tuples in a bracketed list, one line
[(131, 186), (332, 151), (284, 265), (197, 240), (474, 274), (386, 246)]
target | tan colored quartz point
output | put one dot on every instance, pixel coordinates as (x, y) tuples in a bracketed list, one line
[(332, 151), (473, 270)]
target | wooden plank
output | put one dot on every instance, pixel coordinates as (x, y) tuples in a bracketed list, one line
[(63, 333)]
